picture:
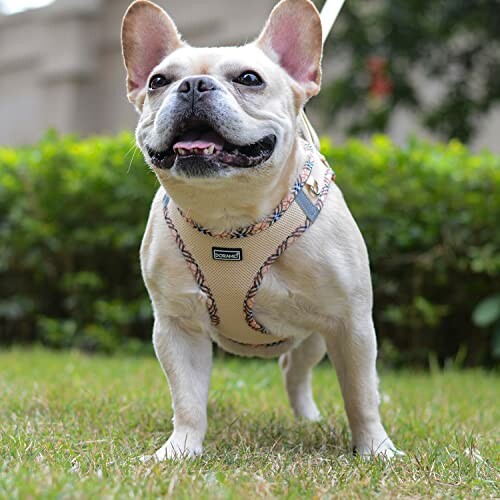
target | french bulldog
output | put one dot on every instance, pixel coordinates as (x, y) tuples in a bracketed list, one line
[(221, 128)]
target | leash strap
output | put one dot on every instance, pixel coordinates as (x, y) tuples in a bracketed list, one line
[(329, 14)]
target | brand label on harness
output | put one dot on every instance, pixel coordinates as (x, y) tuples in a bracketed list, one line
[(227, 253)]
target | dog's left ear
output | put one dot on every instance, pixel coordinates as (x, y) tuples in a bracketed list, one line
[(148, 36), (292, 38)]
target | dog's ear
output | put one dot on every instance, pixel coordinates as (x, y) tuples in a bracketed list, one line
[(292, 38), (148, 36)]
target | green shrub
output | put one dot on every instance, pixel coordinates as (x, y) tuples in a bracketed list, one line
[(429, 214), (73, 213)]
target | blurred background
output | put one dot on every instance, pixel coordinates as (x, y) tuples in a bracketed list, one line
[(414, 67), (423, 76)]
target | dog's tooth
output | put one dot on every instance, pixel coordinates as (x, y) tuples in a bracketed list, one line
[(209, 150), (181, 151), (235, 152)]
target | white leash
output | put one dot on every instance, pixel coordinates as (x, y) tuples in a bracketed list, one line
[(329, 14)]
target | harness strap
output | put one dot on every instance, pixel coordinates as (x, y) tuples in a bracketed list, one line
[(307, 130), (229, 268)]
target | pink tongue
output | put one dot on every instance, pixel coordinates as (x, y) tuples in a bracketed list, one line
[(200, 140)]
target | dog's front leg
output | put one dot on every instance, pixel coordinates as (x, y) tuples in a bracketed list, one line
[(186, 359), (353, 350)]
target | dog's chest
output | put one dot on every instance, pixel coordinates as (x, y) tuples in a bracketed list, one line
[(231, 274), (291, 303), (285, 309)]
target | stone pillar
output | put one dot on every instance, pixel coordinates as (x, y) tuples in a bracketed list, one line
[(68, 70)]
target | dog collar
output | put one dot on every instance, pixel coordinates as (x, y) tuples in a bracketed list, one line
[(296, 194)]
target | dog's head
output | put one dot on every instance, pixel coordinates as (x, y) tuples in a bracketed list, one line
[(215, 111)]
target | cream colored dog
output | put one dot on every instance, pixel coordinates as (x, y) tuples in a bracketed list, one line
[(220, 129)]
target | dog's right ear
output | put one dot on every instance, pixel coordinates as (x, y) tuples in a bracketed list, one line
[(148, 36)]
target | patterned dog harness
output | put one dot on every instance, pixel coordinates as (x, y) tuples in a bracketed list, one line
[(229, 267)]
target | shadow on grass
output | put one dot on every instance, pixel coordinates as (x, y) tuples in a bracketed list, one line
[(234, 436)]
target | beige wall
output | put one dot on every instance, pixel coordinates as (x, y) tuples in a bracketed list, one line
[(61, 66)]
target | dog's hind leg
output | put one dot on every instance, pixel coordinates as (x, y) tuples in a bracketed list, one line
[(297, 366), (353, 351), (187, 361)]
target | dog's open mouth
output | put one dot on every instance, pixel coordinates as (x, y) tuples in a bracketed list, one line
[(199, 141)]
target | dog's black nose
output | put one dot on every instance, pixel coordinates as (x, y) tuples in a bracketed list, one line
[(197, 85)]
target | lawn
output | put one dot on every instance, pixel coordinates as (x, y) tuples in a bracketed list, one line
[(72, 426)]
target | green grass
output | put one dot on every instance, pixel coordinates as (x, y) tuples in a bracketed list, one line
[(73, 426)]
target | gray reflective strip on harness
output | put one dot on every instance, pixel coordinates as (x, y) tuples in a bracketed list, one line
[(311, 211)]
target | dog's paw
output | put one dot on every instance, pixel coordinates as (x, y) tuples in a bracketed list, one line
[(380, 448), (178, 447), (303, 404), (308, 412)]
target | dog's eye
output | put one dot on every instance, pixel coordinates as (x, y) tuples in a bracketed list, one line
[(157, 81), (249, 78)]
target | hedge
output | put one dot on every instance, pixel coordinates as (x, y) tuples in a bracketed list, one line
[(73, 213)]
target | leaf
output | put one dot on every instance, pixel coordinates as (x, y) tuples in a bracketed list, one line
[(495, 343), (487, 311)]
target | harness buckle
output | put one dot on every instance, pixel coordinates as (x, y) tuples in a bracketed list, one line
[(313, 185)]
